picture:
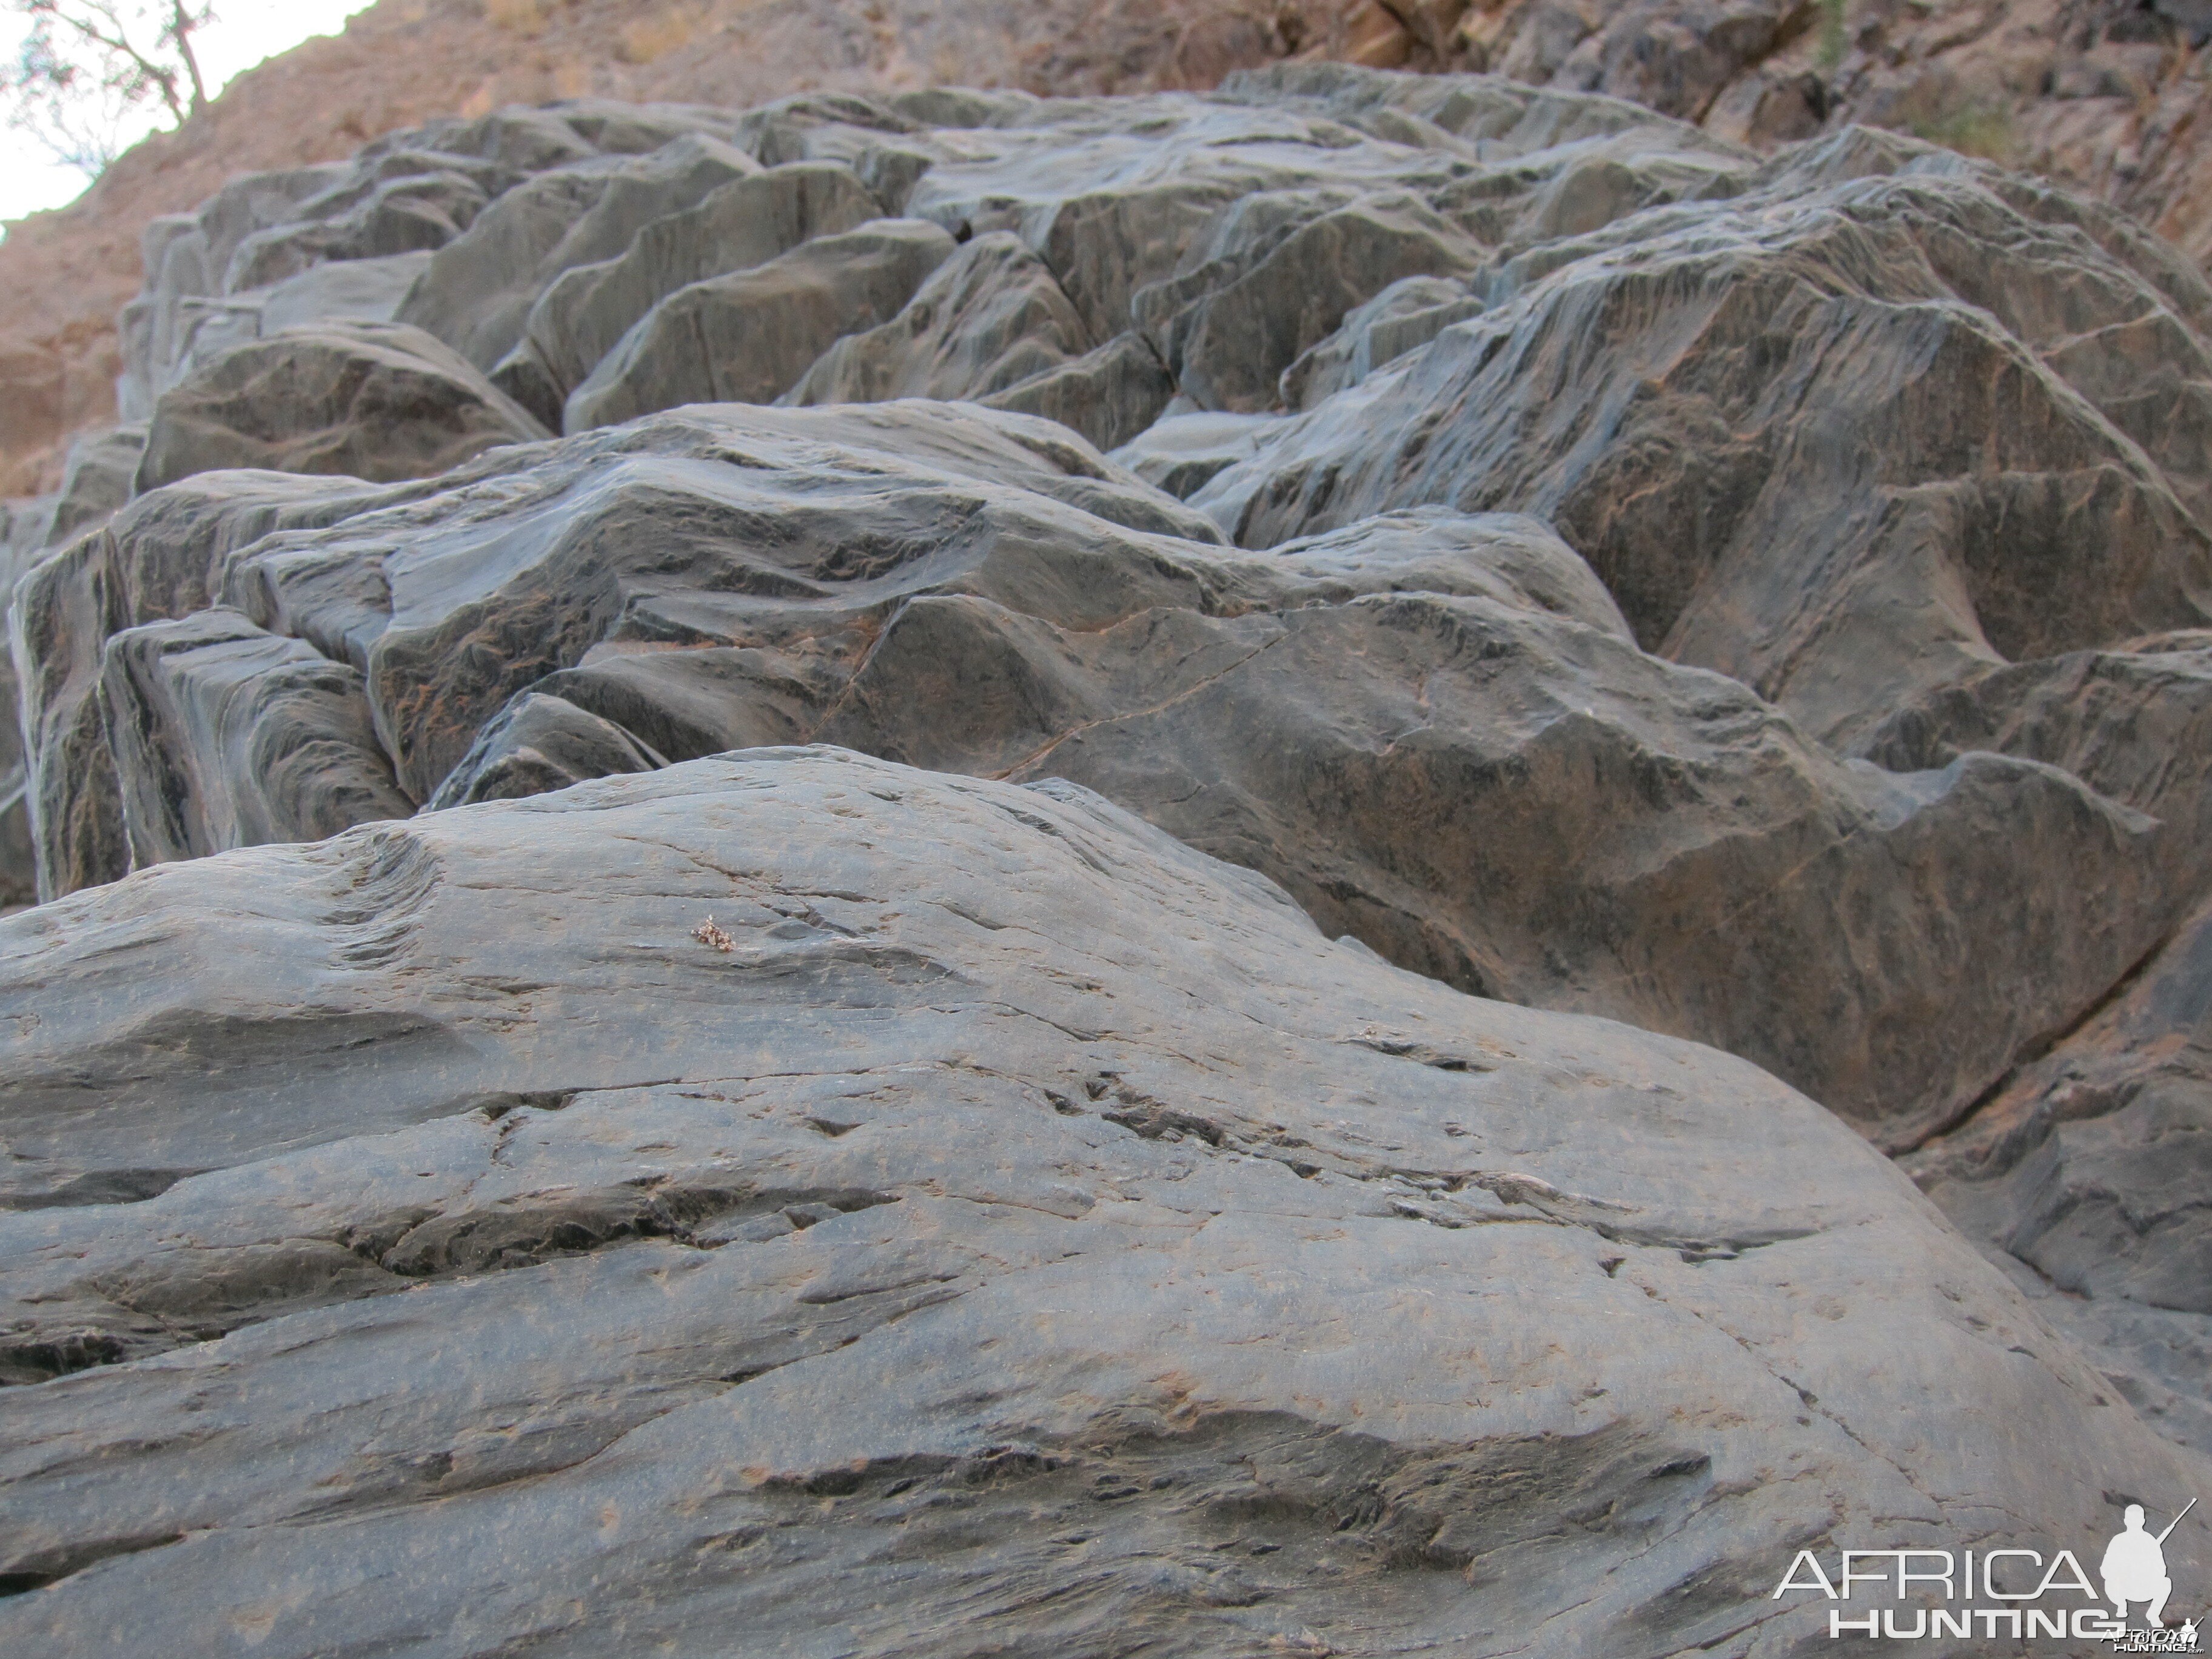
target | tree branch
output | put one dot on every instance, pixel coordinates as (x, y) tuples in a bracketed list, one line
[(180, 33), (159, 77)]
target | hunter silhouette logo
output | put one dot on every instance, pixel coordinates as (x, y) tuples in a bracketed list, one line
[(2134, 1568)]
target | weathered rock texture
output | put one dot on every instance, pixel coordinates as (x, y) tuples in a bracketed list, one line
[(378, 401), (1434, 729), (1016, 1200), (746, 337), (1854, 434), (1766, 602), (2091, 1162), (2109, 95), (1530, 411)]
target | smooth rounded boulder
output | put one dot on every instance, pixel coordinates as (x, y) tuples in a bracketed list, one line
[(792, 1183)]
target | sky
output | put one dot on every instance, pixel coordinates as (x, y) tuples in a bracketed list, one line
[(244, 33)]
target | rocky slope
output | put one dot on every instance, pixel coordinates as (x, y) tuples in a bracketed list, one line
[(1761, 602), (63, 276), (2108, 95)]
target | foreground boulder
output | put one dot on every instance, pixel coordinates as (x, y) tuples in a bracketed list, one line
[(792, 1181)]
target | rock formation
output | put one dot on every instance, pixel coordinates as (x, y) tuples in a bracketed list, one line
[(2109, 95), (1656, 593), (998, 1197), (367, 400)]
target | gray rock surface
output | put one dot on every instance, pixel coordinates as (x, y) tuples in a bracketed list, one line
[(353, 291), (1762, 602), (399, 583), (2133, 723), (477, 290), (98, 480), (1408, 313), (26, 526), (1111, 394), (1187, 449), (992, 315), (1825, 438), (584, 314), (2089, 1165), (746, 337), (2088, 1170), (18, 854), (160, 558), (226, 736), (1279, 277), (378, 219), (992, 325), (1020, 1198), (1434, 730), (538, 743), (377, 401)]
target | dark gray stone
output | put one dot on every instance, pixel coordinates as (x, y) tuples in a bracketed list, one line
[(375, 401), (584, 314), (227, 736), (1184, 451), (990, 316), (1811, 438), (1840, 700), (538, 743), (1434, 730), (477, 292), (746, 337), (1407, 314), (1110, 394)]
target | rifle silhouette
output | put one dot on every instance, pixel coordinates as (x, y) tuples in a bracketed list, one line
[(2176, 1522)]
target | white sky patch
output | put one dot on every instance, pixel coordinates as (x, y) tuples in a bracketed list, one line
[(244, 33)]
